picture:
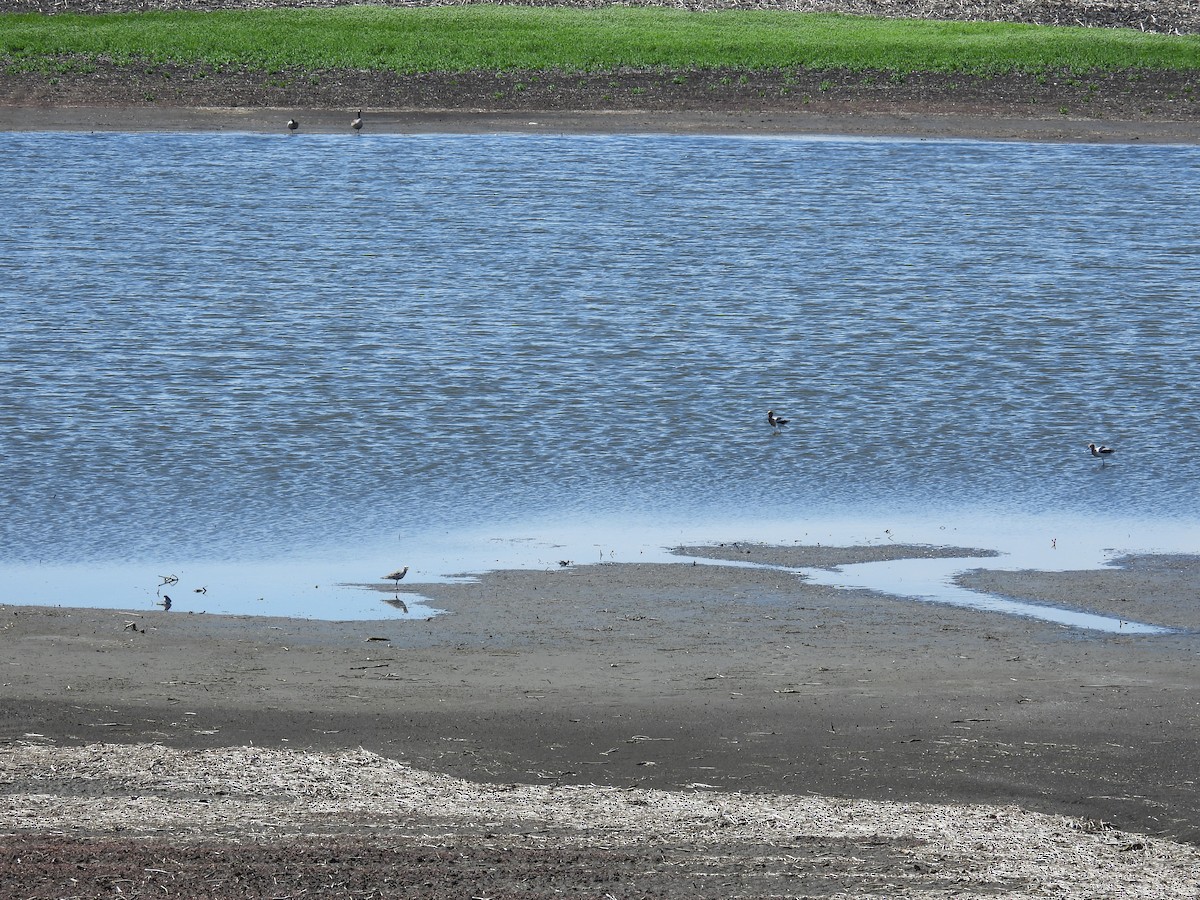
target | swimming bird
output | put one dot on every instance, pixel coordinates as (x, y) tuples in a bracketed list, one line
[(775, 421), (1101, 453), (397, 575), (293, 124), (357, 123)]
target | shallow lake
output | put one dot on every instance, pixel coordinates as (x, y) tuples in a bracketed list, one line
[(304, 360)]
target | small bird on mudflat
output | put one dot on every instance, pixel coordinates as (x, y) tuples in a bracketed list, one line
[(397, 575), (357, 123), (775, 421), (293, 124), (1102, 453)]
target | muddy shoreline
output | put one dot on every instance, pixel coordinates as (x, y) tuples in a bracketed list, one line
[(1117, 107), (894, 124), (670, 677)]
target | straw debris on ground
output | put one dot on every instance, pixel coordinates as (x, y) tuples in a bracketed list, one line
[(156, 821)]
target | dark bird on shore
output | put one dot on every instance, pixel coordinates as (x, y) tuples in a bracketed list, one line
[(293, 124), (1102, 453), (357, 123), (775, 421), (397, 575)]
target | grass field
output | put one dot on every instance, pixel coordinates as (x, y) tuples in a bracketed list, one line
[(466, 38)]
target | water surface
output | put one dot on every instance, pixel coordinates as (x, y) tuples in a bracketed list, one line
[(341, 351)]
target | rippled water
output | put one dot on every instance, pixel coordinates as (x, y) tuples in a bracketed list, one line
[(259, 348)]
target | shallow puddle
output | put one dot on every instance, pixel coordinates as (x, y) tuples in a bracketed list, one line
[(931, 581)]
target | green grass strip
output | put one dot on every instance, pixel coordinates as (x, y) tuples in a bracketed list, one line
[(450, 39)]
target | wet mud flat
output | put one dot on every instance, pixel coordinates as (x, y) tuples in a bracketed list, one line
[(564, 729)]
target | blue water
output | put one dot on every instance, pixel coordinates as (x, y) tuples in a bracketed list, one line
[(247, 349)]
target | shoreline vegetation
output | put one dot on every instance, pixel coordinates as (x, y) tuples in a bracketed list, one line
[(797, 60), (569, 40)]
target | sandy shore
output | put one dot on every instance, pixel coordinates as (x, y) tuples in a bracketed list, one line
[(713, 684)]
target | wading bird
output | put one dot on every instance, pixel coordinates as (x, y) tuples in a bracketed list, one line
[(357, 123), (397, 575), (1101, 453), (775, 421)]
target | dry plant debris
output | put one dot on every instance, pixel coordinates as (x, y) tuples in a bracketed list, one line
[(250, 796)]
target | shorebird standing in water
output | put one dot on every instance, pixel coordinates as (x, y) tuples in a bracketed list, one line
[(1102, 453), (775, 421), (397, 575), (357, 123), (293, 124)]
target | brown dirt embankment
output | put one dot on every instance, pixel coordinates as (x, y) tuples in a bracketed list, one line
[(1068, 104)]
